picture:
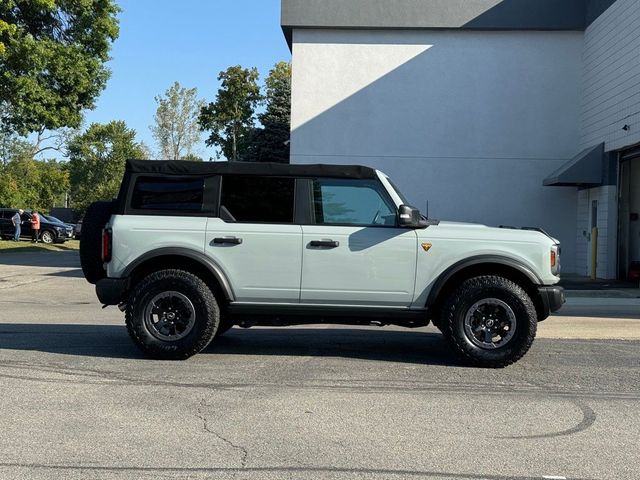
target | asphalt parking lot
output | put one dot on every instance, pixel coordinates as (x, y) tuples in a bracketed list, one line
[(79, 401)]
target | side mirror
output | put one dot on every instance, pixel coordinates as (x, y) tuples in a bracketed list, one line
[(409, 217)]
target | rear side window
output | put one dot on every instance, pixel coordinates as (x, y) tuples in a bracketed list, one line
[(257, 199), (181, 194)]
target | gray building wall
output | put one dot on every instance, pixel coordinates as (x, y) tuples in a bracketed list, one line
[(475, 14), (470, 121)]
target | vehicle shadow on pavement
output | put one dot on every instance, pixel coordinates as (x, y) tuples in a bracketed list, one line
[(112, 341), (364, 344), (69, 339), (76, 273), (62, 259)]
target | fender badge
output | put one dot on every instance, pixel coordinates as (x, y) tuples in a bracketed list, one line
[(426, 246)]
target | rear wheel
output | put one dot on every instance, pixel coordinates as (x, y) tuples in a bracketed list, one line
[(172, 315), (489, 321)]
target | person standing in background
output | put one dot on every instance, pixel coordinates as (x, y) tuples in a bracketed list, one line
[(35, 226), (17, 220)]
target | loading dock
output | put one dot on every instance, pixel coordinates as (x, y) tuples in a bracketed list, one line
[(629, 211)]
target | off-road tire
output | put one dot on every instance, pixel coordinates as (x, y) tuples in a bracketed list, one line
[(464, 297), (97, 216), (207, 315)]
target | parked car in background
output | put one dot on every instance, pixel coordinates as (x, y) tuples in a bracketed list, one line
[(72, 226), (50, 232)]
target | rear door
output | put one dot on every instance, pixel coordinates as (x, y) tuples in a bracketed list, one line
[(353, 252), (255, 240)]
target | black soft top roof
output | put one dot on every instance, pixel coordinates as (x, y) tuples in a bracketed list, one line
[(181, 167)]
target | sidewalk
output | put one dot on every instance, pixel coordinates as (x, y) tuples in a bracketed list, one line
[(595, 310), (583, 287)]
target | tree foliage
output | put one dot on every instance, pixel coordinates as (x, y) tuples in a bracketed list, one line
[(176, 126), (231, 118), (271, 142), (97, 159), (52, 61), (12, 147), (29, 183)]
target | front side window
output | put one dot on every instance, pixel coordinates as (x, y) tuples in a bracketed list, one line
[(253, 199), (168, 193), (352, 202)]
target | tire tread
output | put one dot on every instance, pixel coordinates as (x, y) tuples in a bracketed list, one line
[(476, 356), (154, 348)]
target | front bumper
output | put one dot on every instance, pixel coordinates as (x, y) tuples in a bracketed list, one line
[(552, 298), (112, 291)]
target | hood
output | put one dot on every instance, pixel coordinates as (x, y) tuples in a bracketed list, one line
[(476, 231)]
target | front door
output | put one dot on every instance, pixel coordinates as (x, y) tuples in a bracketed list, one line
[(255, 240), (353, 253)]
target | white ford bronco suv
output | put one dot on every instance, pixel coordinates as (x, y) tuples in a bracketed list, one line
[(190, 249)]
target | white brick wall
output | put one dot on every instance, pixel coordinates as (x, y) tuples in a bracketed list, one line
[(611, 78), (610, 100)]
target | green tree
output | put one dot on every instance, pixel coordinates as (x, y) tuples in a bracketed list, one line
[(231, 118), (271, 142), (97, 159), (192, 158), (11, 147), (176, 126), (52, 61), (29, 183)]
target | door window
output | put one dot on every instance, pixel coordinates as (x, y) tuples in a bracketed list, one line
[(352, 202), (252, 199)]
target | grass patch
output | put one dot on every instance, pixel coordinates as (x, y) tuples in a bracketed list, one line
[(9, 246)]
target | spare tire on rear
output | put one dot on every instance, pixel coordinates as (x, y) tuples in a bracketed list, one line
[(96, 217)]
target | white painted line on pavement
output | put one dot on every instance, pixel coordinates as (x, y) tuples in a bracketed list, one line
[(554, 477)]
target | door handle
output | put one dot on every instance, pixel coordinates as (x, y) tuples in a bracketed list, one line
[(227, 241), (324, 244)]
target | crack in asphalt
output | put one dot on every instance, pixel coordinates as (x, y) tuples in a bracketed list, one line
[(207, 428)]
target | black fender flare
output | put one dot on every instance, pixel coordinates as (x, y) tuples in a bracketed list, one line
[(445, 276), (199, 257)]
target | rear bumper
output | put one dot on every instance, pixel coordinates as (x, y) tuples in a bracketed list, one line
[(552, 299), (112, 291)]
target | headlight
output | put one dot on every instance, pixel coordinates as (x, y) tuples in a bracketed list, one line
[(555, 259)]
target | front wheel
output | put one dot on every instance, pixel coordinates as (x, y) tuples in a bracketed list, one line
[(489, 321), (47, 237), (172, 315)]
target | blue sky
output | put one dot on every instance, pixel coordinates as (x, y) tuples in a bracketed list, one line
[(190, 41)]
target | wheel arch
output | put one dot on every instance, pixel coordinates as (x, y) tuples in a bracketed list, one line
[(182, 259), (480, 265)]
